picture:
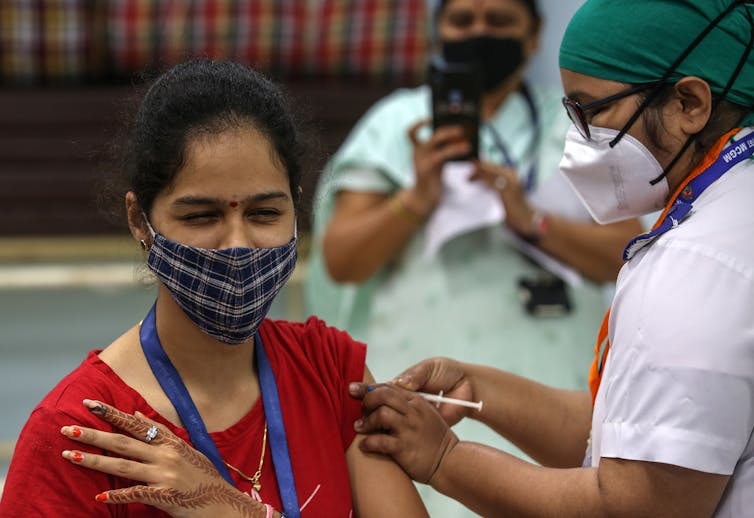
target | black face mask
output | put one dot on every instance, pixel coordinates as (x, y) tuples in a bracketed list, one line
[(499, 58)]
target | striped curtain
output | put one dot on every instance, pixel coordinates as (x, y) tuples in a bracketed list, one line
[(366, 39), (51, 40)]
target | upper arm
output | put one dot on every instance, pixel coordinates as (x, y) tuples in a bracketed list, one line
[(358, 191), (678, 382), (375, 476), (38, 469), (353, 209), (651, 489), (350, 204)]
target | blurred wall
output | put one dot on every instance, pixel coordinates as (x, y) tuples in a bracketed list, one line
[(555, 15)]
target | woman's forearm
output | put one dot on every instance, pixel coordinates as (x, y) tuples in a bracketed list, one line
[(494, 483), (596, 251)]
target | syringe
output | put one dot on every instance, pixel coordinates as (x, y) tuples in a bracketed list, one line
[(439, 398)]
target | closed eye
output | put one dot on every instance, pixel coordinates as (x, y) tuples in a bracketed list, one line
[(200, 217), (267, 211), (265, 214)]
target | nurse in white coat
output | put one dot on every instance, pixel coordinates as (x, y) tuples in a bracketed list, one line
[(661, 94)]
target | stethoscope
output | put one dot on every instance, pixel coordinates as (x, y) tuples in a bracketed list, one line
[(530, 178)]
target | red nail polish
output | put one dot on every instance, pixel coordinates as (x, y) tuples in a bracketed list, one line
[(102, 497), (76, 431), (76, 456)]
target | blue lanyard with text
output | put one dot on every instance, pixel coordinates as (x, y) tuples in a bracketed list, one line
[(176, 391), (530, 180), (734, 153)]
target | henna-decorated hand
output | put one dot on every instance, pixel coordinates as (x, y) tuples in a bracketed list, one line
[(405, 426), (179, 480)]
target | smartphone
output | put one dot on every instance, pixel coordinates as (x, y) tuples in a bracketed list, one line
[(544, 297), (456, 98)]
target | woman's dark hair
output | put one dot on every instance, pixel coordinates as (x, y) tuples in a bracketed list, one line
[(725, 116), (202, 98)]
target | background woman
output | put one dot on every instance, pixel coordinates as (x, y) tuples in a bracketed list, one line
[(379, 196), (383, 191)]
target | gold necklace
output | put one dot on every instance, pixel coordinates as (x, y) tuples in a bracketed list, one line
[(258, 474)]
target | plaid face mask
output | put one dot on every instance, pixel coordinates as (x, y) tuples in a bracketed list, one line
[(226, 293)]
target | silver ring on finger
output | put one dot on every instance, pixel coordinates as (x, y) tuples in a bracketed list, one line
[(500, 183), (151, 434)]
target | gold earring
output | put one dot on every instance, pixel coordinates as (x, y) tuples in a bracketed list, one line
[(144, 245)]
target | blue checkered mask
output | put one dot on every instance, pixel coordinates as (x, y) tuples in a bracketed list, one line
[(225, 292)]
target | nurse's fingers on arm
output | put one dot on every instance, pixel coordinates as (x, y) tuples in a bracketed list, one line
[(112, 442), (387, 395), (381, 419), (358, 390), (417, 376), (432, 375), (380, 443), (116, 466)]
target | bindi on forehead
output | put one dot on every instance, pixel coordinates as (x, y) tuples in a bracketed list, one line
[(233, 204)]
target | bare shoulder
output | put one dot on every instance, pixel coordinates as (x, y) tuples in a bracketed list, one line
[(122, 352), (126, 359)]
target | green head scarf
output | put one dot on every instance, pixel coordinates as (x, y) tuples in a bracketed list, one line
[(637, 41)]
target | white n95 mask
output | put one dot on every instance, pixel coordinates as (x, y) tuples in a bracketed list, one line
[(613, 182)]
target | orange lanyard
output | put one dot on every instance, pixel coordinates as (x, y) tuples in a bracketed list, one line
[(602, 346)]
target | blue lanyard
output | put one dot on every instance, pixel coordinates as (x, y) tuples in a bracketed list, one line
[(530, 179), (281, 458), (733, 154), (171, 383)]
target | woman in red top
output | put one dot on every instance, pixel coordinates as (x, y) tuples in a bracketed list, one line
[(212, 171)]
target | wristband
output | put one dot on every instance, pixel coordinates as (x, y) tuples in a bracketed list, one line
[(401, 209), (540, 225)]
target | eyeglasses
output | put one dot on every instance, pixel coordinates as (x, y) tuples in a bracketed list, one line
[(577, 112)]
